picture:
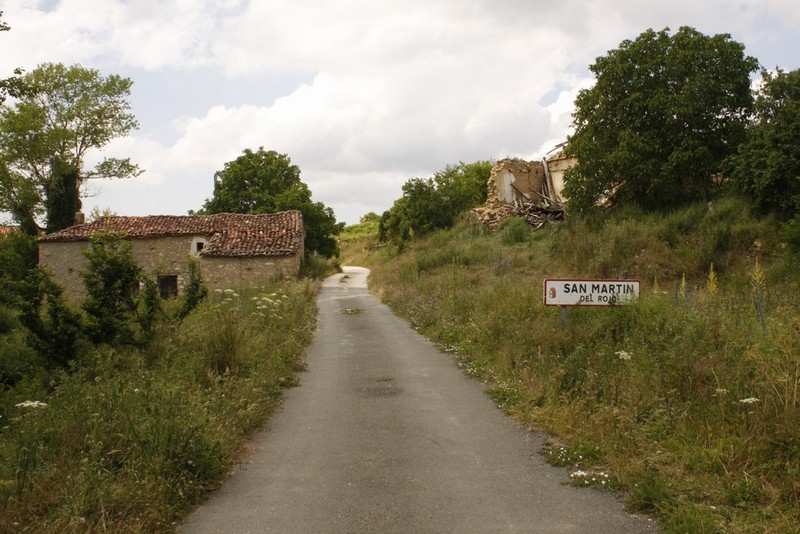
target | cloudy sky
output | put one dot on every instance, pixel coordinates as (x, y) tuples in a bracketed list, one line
[(361, 94)]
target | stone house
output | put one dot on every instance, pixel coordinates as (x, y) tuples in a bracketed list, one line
[(231, 250)]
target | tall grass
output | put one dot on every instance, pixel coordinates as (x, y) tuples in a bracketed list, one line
[(132, 439), (686, 404)]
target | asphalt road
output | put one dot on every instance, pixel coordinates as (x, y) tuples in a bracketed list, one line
[(385, 434)]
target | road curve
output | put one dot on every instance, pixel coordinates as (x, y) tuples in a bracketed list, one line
[(385, 434)]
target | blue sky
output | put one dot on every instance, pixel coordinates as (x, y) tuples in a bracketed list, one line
[(361, 94)]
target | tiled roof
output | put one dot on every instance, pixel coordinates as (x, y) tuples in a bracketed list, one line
[(229, 234), (8, 229)]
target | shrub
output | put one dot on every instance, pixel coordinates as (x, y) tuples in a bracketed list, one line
[(111, 280), (514, 230)]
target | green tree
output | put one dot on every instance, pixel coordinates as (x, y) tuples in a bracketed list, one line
[(195, 291), (267, 182), (55, 329), (430, 204), (462, 186), (664, 113), (61, 114), (8, 85), (766, 168), (18, 256), (369, 217), (111, 280)]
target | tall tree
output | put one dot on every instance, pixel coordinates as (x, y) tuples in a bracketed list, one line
[(62, 113), (664, 113), (267, 182), (7, 85), (434, 203), (767, 166)]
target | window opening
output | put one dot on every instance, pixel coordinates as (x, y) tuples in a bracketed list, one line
[(168, 286)]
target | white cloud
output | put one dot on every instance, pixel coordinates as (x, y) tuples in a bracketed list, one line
[(395, 89)]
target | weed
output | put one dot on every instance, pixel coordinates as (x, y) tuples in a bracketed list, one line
[(695, 410), (129, 438)]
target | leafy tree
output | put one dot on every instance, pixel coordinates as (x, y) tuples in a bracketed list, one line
[(767, 166), (267, 182), (18, 256), (56, 330), (194, 292), (433, 203), (62, 113), (369, 217), (664, 113), (111, 280), (8, 85)]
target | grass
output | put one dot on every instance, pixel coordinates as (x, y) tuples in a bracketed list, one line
[(690, 408), (133, 438)]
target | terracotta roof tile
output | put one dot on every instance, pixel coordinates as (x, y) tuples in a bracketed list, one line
[(229, 234), (8, 229)]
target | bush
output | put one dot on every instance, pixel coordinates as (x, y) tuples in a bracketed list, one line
[(129, 438), (514, 230)]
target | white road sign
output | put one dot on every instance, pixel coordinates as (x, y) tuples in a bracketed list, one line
[(558, 292)]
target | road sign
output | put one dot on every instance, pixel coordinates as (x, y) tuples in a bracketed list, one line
[(559, 292)]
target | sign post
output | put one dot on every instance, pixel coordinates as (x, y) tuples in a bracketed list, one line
[(561, 292)]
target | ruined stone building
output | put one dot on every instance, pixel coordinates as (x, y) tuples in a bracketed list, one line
[(519, 187)]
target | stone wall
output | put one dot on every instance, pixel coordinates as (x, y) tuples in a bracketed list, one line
[(516, 187), (169, 256), (512, 181), (515, 180), (557, 165)]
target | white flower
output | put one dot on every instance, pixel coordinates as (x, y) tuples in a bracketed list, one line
[(31, 404), (749, 400), (624, 355)]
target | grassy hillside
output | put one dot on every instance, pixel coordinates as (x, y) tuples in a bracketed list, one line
[(681, 400)]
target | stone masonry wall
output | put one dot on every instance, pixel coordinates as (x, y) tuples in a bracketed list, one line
[(168, 256), (511, 181)]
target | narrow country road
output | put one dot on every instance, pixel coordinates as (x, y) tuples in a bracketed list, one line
[(385, 434)]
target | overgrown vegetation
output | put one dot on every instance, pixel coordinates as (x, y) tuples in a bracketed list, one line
[(435, 203), (119, 416), (664, 114), (358, 241), (681, 400), (264, 181)]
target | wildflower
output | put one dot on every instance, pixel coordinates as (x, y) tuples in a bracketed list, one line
[(31, 404), (719, 392), (749, 400), (624, 355)]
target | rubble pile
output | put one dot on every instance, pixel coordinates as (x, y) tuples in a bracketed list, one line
[(518, 188)]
